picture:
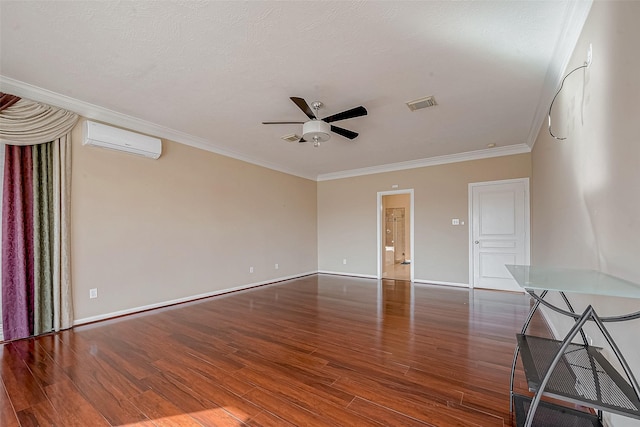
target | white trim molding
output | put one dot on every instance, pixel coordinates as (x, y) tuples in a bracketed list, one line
[(139, 309), (506, 150), (101, 114), (342, 273), (440, 283), (379, 224)]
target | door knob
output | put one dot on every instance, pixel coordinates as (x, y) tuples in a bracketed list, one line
[(477, 241)]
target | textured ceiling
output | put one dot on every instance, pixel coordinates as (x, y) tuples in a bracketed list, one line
[(210, 72)]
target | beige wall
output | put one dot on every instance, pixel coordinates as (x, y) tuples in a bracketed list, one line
[(192, 222), (347, 220), (586, 189)]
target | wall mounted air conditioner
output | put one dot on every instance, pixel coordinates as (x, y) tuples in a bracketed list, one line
[(100, 135)]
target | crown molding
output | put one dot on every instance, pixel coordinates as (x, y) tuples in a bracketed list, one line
[(575, 18), (506, 150), (95, 112)]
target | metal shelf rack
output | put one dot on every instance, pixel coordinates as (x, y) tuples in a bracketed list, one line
[(575, 373)]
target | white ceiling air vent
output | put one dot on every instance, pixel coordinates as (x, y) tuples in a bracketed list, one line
[(418, 104), (104, 136), (291, 138)]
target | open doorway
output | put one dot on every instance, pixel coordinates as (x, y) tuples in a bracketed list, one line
[(395, 235)]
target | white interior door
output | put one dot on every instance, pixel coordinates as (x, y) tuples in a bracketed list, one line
[(499, 232)]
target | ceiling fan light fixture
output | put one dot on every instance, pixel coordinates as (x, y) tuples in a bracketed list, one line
[(316, 130), (319, 130)]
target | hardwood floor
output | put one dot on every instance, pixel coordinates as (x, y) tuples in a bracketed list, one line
[(320, 350), (397, 271)]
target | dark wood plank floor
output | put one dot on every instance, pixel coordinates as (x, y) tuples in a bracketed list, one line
[(320, 350)]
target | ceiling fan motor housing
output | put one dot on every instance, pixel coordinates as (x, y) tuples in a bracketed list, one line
[(316, 130)]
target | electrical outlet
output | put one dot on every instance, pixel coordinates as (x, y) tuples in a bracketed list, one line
[(277, 266), (93, 293), (344, 261), (589, 55), (250, 269)]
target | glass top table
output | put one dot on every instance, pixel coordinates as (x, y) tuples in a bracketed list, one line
[(572, 281), (566, 370)]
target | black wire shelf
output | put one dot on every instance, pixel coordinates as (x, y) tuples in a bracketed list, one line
[(583, 376), (551, 415)]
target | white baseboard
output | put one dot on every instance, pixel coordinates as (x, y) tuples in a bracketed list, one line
[(133, 310), (417, 281), (342, 273), (437, 282)]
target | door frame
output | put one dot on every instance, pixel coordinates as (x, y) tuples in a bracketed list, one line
[(379, 223), (527, 220)]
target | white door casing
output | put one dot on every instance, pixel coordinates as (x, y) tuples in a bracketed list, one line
[(380, 225), (498, 232)]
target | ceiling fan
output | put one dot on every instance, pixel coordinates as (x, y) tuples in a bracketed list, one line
[(316, 130)]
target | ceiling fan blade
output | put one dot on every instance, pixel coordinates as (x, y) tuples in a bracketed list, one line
[(282, 123), (302, 104), (344, 132), (349, 114)]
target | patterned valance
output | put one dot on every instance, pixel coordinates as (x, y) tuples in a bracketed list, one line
[(26, 122)]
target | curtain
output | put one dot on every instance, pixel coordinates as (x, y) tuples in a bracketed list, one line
[(42, 238), (17, 243), (36, 280), (62, 298)]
